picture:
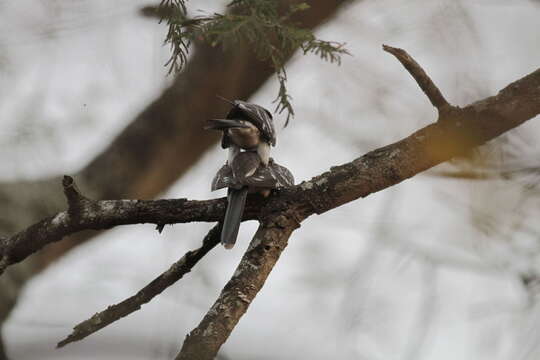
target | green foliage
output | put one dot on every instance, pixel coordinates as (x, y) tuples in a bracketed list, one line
[(272, 35)]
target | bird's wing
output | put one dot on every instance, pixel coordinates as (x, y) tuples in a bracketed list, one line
[(284, 178), (273, 176), (223, 178)]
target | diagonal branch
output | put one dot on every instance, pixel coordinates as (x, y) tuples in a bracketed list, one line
[(84, 214), (115, 312), (248, 279), (424, 81)]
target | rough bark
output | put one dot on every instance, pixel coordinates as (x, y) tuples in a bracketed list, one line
[(87, 214), (248, 279)]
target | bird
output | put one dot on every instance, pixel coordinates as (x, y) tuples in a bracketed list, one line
[(248, 134), (246, 174)]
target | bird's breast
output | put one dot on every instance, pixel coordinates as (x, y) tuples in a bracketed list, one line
[(245, 138)]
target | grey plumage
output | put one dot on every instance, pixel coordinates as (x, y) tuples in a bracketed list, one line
[(248, 133), (273, 176), (246, 174)]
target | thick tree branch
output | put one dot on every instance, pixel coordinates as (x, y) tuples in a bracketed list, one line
[(115, 312), (87, 214), (424, 81)]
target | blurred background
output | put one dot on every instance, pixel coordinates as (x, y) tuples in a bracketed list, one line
[(442, 266)]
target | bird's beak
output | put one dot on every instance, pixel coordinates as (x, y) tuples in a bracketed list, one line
[(223, 124)]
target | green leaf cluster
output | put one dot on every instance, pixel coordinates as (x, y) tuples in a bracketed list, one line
[(268, 28)]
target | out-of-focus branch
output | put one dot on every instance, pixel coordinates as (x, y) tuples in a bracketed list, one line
[(3, 355), (170, 129), (468, 127), (115, 312), (161, 143), (486, 173), (419, 334)]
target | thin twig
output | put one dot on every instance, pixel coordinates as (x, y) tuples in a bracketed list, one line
[(424, 81), (115, 312), (73, 195)]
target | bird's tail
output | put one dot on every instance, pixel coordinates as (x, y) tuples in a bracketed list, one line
[(233, 216)]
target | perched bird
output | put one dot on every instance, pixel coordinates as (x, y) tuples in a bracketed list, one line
[(246, 174), (248, 133)]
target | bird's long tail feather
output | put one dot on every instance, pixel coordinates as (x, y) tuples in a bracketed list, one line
[(233, 216)]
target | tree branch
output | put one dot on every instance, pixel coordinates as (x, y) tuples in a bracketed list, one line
[(73, 195), (264, 251), (464, 129), (85, 214), (424, 81), (115, 312)]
